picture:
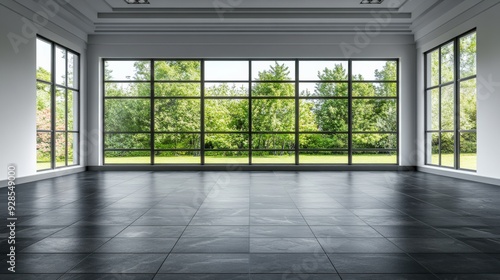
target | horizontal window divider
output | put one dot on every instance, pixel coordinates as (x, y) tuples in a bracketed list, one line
[(273, 97), (177, 132), (324, 150), (227, 132), (242, 97), (44, 131), (374, 150), (323, 132), (374, 132), (127, 81), (272, 150), (441, 85), (272, 132), (226, 150), (324, 97), (177, 97), (177, 81), (273, 82), (467, 78), (44, 82), (374, 81), (127, 97), (324, 81), (375, 97), (468, 131), (177, 150), (226, 82), (127, 150), (127, 132), (443, 131)]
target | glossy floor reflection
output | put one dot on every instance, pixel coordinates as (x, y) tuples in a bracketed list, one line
[(255, 225)]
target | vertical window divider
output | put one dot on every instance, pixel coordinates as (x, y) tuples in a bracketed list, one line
[(66, 109), (297, 112), (349, 110), (250, 134), (202, 112), (53, 107), (440, 104), (398, 78), (456, 99), (152, 108)]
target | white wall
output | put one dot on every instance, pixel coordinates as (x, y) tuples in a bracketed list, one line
[(253, 46), (485, 18), (18, 87)]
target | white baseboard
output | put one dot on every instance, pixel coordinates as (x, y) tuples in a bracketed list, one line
[(459, 175), (45, 175)]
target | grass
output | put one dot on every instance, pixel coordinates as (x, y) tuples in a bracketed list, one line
[(467, 161), (287, 159)]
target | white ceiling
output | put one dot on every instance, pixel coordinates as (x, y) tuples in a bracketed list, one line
[(115, 16)]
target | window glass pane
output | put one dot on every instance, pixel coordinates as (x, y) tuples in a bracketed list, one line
[(43, 105), (181, 115), (432, 148), (73, 110), (468, 151), (468, 55), (127, 70), (374, 70), (226, 157), (127, 141), (226, 115), (178, 157), (375, 141), (43, 60), (468, 105), (433, 109), (127, 89), (177, 89), (323, 157), (323, 70), (273, 70), (323, 89), (374, 115), (73, 70), (127, 115), (226, 141), (448, 149), (273, 141), (447, 108), (226, 70), (323, 141), (127, 157), (274, 157), (329, 115), (73, 148), (273, 89), (433, 68), (226, 89), (447, 63), (43, 150), (60, 109), (177, 70), (167, 141), (374, 89), (374, 158), (60, 66), (60, 149), (273, 115)]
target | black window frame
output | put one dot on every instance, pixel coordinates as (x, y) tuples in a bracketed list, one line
[(350, 150), (54, 86), (457, 80)]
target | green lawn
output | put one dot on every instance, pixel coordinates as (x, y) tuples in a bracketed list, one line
[(288, 159), (467, 161)]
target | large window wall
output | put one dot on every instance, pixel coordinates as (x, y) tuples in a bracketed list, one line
[(250, 111), (57, 101), (451, 126)]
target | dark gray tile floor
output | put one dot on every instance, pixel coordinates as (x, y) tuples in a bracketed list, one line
[(255, 225)]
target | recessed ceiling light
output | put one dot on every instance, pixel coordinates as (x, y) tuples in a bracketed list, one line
[(137, 1), (371, 1)]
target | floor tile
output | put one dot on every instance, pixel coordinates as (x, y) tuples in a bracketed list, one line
[(376, 264), (358, 245), (138, 245), (212, 245), (284, 245), (206, 263), (120, 263), (290, 263)]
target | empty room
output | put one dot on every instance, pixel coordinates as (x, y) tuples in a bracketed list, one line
[(250, 139)]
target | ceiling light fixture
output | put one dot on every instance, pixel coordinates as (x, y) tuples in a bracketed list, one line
[(371, 1), (137, 1)]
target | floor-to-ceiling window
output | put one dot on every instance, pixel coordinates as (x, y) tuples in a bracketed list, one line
[(57, 101), (451, 104), (250, 111)]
